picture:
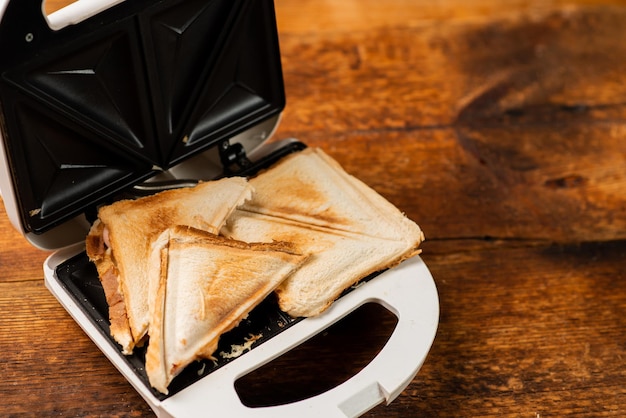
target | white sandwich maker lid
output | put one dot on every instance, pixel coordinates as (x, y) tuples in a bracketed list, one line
[(110, 97)]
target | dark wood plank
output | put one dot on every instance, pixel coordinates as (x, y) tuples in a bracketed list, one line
[(50, 366), (18, 260), (552, 68), (524, 182), (525, 332)]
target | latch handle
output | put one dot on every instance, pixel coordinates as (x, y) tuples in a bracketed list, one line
[(77, 12)]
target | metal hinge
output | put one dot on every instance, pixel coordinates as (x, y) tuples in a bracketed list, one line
[(233, 157)]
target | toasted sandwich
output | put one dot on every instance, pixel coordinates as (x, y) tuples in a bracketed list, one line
[(119, 243), (308, 199), (205, 285)]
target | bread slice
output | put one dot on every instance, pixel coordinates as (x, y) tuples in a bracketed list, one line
[(339, 258), (308, 199), (312, 188), (206, 285), (119, 244)]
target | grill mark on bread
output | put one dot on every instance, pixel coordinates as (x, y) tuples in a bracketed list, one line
[(278, 245), (293, 239)]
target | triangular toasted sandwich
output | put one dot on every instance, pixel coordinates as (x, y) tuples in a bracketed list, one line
[(308, 199), (119, 244), (339, 259), (206, 285)]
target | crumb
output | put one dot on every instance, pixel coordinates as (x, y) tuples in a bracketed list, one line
[(237, 350)]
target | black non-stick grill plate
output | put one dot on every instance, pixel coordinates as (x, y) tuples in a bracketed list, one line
[(99, 106)]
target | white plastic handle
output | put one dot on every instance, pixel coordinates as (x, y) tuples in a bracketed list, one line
[(408, 291), (77, 12)]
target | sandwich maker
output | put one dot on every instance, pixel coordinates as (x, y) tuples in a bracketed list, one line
[(110, 99)]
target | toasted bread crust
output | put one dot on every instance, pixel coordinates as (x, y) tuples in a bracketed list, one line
[(132, 226), (308, 199), (309, 232), (207, 285)]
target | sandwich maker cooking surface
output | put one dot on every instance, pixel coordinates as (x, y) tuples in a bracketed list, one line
[(107, 98), (266, 321)]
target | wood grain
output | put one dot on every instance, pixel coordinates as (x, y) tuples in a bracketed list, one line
[(500, 128)]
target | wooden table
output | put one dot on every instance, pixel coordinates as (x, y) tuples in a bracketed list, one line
[(500, 128)]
